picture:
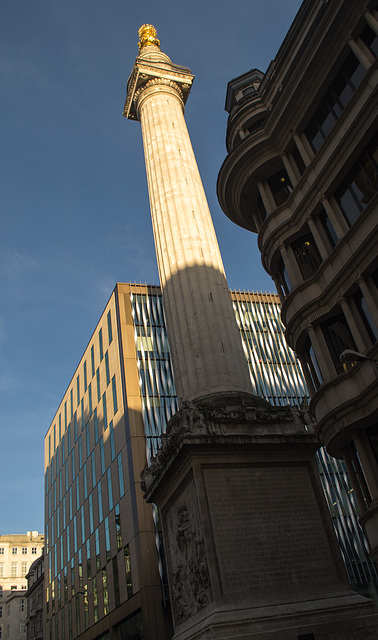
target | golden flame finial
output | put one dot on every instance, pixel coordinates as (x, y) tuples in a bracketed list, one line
[(147, 36)]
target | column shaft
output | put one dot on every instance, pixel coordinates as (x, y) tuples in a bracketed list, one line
[(207, 353)]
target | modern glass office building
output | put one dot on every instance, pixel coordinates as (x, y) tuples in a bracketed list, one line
[(104, 566)]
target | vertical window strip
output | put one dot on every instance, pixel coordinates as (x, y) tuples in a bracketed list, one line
[(99, 495), (107, 372), (112, 443), (87, 440), (80, 454), (82, 525), (98, 384), (120, 476), (93, 470), (78, 389), (110, 333), (75, 533), (71, 506), (63, 451), (105, 592), (90, 399), (92, 361), (128, 571), (107, 539), (117, 598), (95, 599), (117, 515), (104, 411), (101, 345), (95, 421), (114, 391), (73, 464), (110, 489), (102, 455), (90, 502), (89, 571)]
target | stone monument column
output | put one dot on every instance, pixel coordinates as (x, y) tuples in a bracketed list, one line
[(251, 552), (204, 340)]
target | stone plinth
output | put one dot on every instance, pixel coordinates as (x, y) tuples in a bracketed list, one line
[(250, 547)]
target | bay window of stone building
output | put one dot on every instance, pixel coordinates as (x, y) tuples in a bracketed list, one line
[(334, 101), (280, 186), (300, 259), (328, 228), (261, 208), (307, 255), (338, 338), (311, 368), (365, 314), (298, 160), (284, 277), (360, 185)]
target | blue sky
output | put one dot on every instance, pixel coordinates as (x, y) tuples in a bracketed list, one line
[(74, 205)]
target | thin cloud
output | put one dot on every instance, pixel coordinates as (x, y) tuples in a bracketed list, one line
[(14, 262)]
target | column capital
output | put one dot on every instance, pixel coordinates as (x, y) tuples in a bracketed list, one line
[(154, 68), (151, 84)]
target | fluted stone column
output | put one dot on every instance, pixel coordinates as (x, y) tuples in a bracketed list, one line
[(206, 348)]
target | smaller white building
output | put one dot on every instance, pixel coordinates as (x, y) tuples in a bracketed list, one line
[(17, 553)]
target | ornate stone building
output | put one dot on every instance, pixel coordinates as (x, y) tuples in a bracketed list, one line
[(301, 171), (17, 553)]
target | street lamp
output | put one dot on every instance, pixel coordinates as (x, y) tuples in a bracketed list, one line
[(351, 356)]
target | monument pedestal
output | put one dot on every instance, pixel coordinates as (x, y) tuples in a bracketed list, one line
[(250, 546)]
